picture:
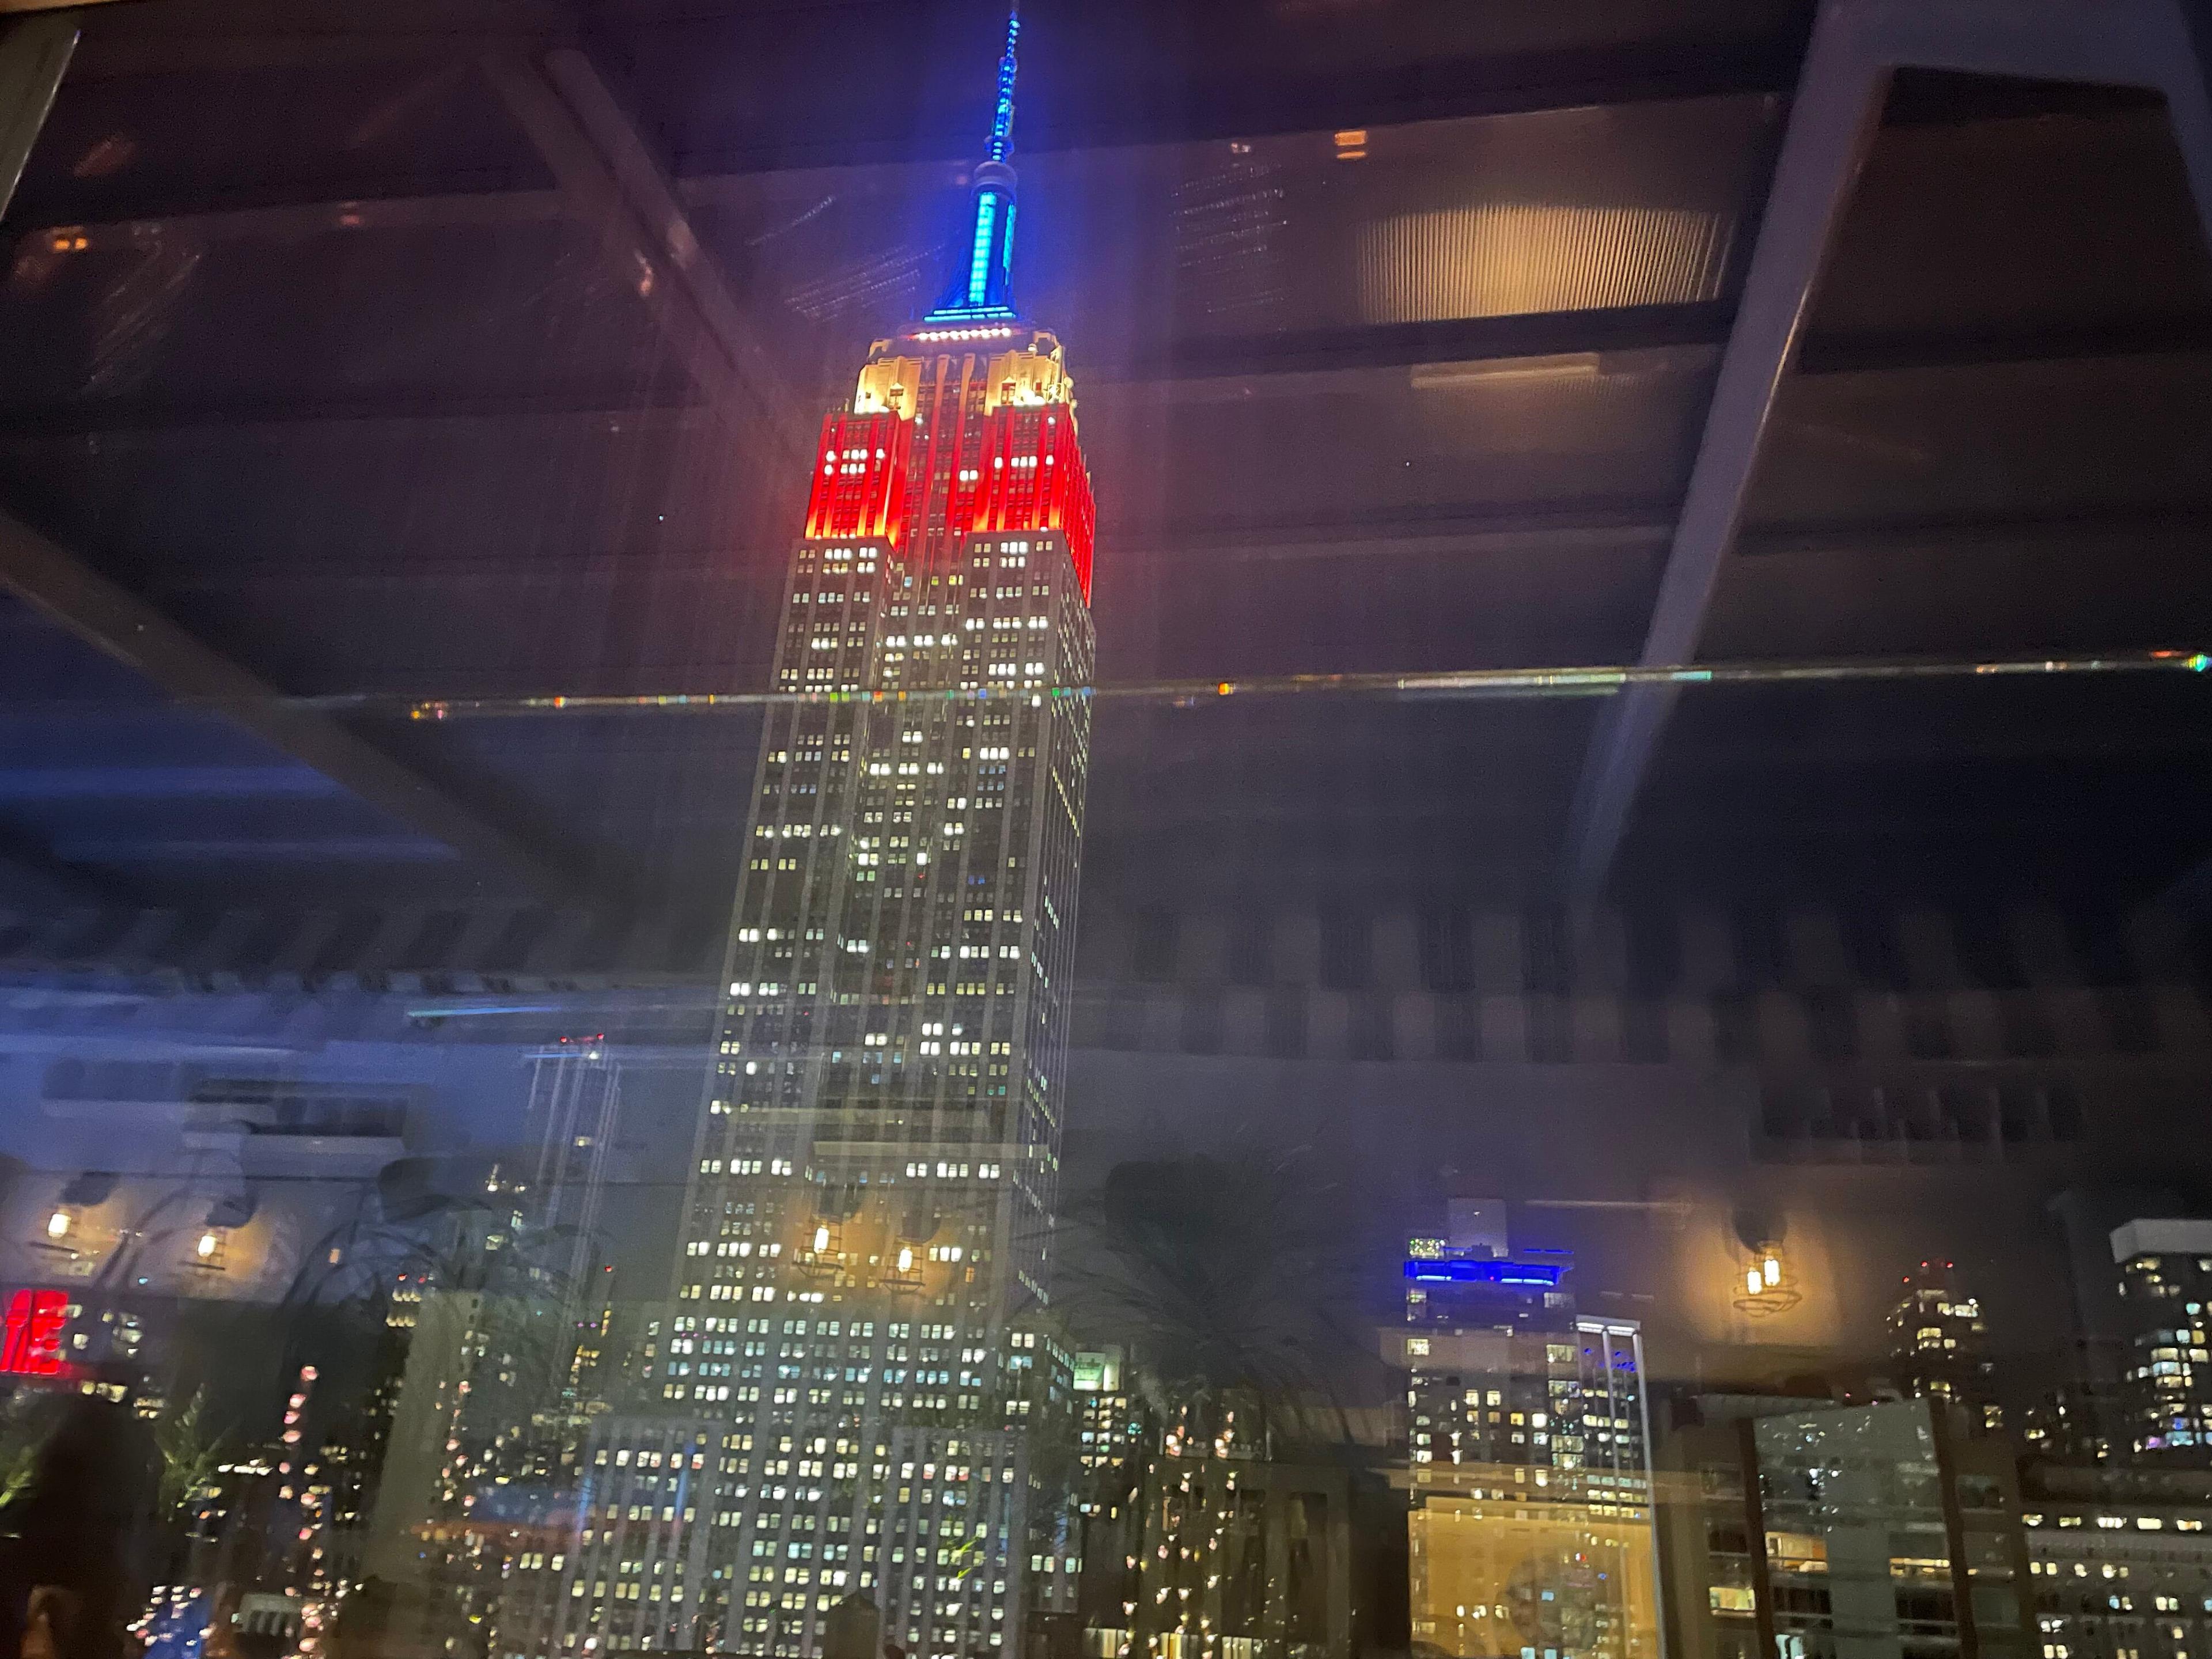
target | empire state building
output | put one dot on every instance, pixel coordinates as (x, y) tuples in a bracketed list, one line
[(849, 1381)]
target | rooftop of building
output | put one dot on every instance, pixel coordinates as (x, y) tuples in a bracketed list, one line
[(2161, 1236)]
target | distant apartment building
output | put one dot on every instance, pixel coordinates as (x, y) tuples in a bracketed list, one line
[(1796, 1528), (2165, 1282), (1531, 1525), (1939, 1346)]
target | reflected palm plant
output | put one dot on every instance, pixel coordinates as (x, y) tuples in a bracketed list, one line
[(26, 1418), (515, 1258), (519, 1270), (405, 1237), (1222, 1278), (358, 1258), (403, 1227), (191, 1450), (187, 1454), (409, 1259)]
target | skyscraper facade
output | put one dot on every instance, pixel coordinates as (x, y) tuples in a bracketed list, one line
[(852, 1362)]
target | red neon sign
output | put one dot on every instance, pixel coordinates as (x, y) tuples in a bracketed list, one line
[(31, 1334)]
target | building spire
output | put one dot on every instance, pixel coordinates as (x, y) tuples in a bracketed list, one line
[(980, 286), (1002, 121)]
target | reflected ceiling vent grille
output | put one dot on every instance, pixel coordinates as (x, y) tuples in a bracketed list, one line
[(1511, 260)]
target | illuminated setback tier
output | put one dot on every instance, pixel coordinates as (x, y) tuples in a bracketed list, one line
[(941, 444), (850, 1373)]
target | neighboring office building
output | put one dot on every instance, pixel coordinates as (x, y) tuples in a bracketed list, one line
[(2165, 1282), (1078, 1412), (1531, 1525), (425, 1450), (488, 1481), (2121, 1561), (350, 1460), (1210, 1547), (1104, 1427), (1225, 1525), (1793, 1529), (1194, 1540), (1940, 1346), (879, 1159), (2117, 1494), (480, 1495)]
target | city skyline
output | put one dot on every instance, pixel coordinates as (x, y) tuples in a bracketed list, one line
[(1564, 1015)]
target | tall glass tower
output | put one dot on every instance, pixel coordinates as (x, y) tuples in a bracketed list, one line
[(850, 1369)]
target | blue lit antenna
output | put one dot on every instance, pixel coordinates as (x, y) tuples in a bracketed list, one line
[(1002, 121), (980, 292)]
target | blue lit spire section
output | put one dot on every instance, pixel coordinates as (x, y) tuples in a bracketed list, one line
[(1002, 119), (980, 288)]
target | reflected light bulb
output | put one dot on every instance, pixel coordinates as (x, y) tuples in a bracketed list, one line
[(1773, 1271), (1751, 1281), (906, 1258), (57, 1224), (207, 1245), (821, 1239)]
